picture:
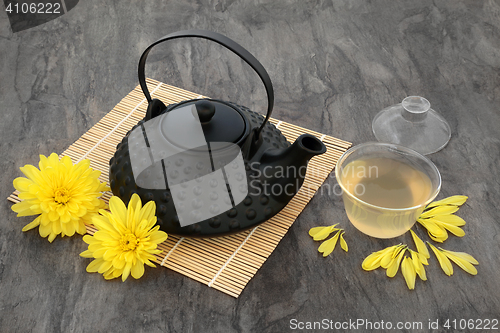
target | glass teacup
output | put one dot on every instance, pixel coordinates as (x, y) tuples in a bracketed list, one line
[(385, 187)]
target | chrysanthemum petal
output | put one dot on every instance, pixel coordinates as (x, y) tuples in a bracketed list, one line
[(137, 270), (439, 239), (387, 258), (126, 271), (89, 239), (373, 260), (56, 227), (53, 160), (118, 209), (22, 184), (457, 231), (118, 262), (105, 266), (148, 211), (394, 265), (343, 243), (431, 227), (443, 260), (23, 208), (149, 263), (51, 237), (450, 219), (408, 271), (323, 234), (94, 265), (103, 236), (45, 230), (420, 245), (86, 254), (419, 268), (422, 258), (313, 231), (440, 210), (456, 200), (53, 216), (32, 173), (33, 224), (458, 258), (158, 237), (80, 227), (464, 256), (328, 246), (111, 253), (135, 201)]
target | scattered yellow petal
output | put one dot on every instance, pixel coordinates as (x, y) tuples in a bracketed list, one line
[(432, 227), (421, 248), (320, 233), (464, 256), (438, 239), (463, 260), (408, 270), (450, 219), (343, 243), (440, 210), (456, 200), (457, 231), (389, 257), (436, 231), (422, 259), (443, 260), (394, 265), (373, 260), (419, 268), (328, 246)]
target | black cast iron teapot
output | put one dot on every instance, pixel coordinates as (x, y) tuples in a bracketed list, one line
[(212, 167)]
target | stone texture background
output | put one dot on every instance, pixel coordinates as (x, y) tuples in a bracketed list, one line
[(334, 65)]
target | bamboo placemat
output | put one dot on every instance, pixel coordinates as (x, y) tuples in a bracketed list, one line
[(225, 263)]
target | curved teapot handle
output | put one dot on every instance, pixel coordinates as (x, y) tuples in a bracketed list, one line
[(224, 41)]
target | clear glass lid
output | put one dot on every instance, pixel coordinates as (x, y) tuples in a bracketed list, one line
[(412, 124)]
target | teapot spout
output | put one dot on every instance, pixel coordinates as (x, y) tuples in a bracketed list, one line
[(283, 170)]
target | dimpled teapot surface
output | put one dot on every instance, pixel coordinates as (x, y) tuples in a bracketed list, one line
[(212, 167)]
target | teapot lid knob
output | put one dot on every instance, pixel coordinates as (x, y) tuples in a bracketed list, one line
[(205, 110)]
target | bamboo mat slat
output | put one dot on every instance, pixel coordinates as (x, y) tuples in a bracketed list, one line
[(224, 263)]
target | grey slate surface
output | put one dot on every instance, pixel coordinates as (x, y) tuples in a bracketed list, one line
[(334, 65)]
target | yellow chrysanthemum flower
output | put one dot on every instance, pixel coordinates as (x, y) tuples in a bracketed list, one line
[(126, 239), (64, 194)]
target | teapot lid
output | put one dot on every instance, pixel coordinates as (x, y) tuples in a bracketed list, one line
[(220, 122)]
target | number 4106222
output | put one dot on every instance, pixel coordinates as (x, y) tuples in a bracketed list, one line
[(473, 324), (34, 8)]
